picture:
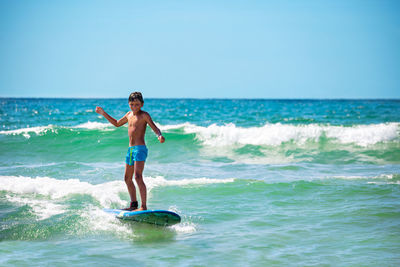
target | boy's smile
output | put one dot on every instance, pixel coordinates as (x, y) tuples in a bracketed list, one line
[(135, 106)]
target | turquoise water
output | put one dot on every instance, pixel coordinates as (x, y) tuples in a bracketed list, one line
[(257, 183)]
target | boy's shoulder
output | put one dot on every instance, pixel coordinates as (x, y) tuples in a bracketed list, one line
[(144, 113)]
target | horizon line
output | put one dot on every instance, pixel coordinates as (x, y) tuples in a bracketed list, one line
[(200, 98)]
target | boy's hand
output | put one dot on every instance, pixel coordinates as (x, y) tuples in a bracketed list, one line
[(99, 110), (161, 139)]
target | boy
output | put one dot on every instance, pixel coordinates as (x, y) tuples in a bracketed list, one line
[(137, 120)]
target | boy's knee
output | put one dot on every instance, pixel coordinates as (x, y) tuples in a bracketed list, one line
[(138, 177), (128, 179)]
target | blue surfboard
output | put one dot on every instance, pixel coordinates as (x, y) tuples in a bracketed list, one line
[(158, 217)]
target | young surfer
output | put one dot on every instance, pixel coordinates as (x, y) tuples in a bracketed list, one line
[(137, 120)]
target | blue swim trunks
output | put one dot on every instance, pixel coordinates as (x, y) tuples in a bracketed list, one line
[(136, 153)]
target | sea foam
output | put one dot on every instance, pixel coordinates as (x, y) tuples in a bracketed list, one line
[(26, 132), (25, 190), (106, 193), (42, 208), (42, 130), (270, 134), (90, 125), (276, 134)]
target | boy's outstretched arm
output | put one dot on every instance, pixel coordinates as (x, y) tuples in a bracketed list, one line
[(155, 129), (113, 121)]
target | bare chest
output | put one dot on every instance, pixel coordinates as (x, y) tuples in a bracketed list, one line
[(136, 121)]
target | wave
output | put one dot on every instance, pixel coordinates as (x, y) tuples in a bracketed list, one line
[(26, 132), (391, 178), (175, 126), (266, 135), (106, 193), (42, 208), (54, 129), (90, 125), (46, 199), (161, 181), (277, 134)]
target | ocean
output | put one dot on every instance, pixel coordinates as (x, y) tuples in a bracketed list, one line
[(256, 182)]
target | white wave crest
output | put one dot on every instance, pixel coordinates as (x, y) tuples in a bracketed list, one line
[(106, 193), (41, 130), (26, 132), (42, 208), (161, 181), (174, 126), (269, 134), (97, 220), (55, 189), (276, 134), (184, 228), (90, 125), (355, 177)]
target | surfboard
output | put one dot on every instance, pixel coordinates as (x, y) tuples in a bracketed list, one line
[(158, 217)]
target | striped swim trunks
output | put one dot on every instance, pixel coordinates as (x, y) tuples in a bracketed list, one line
[(136, 153)]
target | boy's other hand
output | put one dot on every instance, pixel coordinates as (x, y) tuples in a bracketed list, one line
[(161, 139), (99, 110)]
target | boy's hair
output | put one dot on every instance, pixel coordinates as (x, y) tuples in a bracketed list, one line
[(136, 96)]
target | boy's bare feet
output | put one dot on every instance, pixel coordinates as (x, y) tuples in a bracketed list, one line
[(141, 208), (133, 206)]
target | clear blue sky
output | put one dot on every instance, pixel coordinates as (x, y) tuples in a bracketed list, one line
[(200, 49)]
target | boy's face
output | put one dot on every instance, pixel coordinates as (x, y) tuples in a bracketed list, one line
[(135, 105)]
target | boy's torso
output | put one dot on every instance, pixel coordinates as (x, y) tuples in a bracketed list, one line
[(136, 128)]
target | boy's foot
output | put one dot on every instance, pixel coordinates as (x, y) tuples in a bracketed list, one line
[(141, 208), (134, 206)]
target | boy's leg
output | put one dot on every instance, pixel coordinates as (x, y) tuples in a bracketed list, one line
[(139, 166), (129, 170)]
